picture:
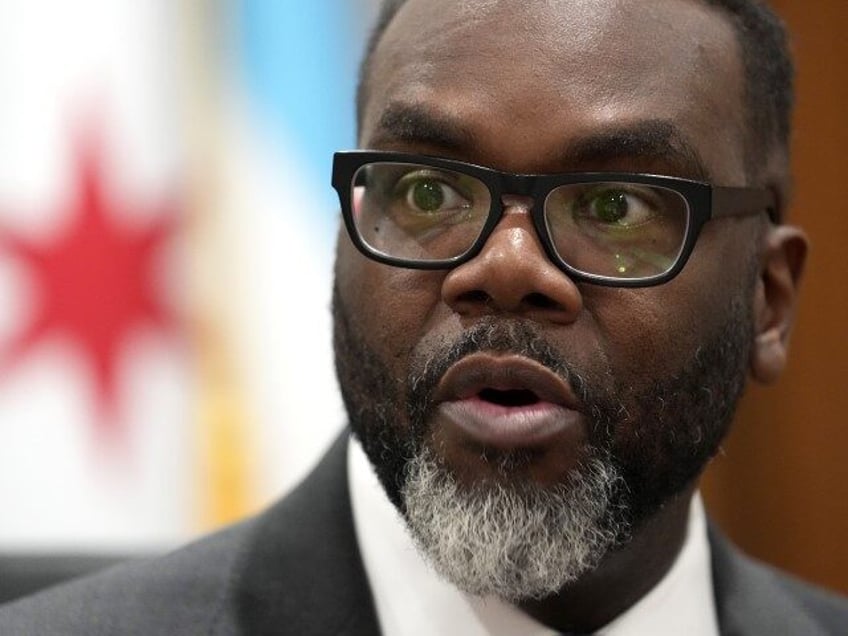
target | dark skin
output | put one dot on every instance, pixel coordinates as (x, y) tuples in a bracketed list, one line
[(574, 86)]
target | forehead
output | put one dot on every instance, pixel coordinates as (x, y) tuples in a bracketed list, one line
[(516, 83)]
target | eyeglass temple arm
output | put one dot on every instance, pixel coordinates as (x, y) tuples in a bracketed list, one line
[(730, 201)]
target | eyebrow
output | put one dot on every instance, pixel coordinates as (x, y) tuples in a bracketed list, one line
[(655, 141), (409, 123)]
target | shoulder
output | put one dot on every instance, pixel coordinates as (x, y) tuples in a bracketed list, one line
[(22, 574), (296, 565), (828, 606), (176, 593), (753, 597)]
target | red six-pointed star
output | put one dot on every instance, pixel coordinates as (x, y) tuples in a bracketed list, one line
[(94, 282)]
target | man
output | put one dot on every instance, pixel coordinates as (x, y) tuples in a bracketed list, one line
[(564, 252)]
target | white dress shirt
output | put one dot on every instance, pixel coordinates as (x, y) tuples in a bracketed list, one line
[(412, 600)]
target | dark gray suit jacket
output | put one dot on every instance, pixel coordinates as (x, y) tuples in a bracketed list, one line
[(25, 574), (296, 570)]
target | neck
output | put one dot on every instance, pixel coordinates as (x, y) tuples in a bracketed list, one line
[(624, 576)]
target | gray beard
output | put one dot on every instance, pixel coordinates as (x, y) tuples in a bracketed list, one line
[(513, 541)]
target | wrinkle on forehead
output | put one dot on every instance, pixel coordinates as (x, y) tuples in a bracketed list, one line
[(487, 29), (519, 61)]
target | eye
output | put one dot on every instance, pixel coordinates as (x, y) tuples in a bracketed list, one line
[(619, 207), (429, 193)]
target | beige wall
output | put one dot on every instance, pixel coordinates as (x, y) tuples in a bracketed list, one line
[(781, 487)]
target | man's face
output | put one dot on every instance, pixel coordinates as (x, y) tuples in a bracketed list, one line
[(504, 373)]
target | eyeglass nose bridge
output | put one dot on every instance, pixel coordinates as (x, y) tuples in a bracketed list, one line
[(517, 184), (516, 190), (509, 200), (523, 192)]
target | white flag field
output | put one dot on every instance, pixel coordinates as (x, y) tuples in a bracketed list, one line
[(166, 236)]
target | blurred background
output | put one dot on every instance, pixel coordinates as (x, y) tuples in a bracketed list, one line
[(166, 234)]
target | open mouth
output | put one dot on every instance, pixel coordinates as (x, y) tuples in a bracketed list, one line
[(509, 397), (507, 402)]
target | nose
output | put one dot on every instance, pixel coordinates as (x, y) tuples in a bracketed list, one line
[(513, 274)]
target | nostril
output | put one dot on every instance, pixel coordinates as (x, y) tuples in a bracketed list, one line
[(475, 296), (540, 301), (536, 300)]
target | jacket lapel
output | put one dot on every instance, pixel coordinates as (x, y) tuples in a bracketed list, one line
[(307, 543), (750, 600)]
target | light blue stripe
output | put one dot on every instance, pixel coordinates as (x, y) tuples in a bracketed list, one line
[(300, 59)]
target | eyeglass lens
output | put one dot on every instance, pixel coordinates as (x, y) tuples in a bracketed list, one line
[(613, 229)]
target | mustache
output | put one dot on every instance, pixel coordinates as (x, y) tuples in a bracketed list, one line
[(494, 335)]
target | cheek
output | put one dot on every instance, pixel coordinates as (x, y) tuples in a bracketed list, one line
[(389, 305), (655, 332), (643, 334)]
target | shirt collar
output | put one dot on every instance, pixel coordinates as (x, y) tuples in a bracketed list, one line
[(412, 600)]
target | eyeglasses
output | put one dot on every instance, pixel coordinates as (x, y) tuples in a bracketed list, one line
[(607, 228)]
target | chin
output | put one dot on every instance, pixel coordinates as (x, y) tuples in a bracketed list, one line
[(512, 537)]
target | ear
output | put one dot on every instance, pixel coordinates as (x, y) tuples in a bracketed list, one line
[(781, 266)]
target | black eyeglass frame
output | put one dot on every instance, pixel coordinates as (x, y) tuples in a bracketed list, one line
[(704, 201)]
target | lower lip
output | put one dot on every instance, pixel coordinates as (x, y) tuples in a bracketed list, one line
[(508, 427)]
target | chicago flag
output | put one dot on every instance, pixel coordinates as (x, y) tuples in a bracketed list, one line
[(165, 240)]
